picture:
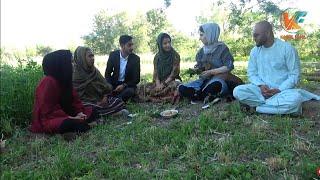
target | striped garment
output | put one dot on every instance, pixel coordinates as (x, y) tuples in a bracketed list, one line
[(109, 106)]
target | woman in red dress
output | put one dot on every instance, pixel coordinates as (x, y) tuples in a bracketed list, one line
[(57, 107)]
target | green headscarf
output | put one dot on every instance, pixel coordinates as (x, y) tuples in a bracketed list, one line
[(164, 59), (88, 81)]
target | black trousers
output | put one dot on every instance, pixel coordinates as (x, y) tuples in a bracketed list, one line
[(189, 92), (71, 125), (126, 93)]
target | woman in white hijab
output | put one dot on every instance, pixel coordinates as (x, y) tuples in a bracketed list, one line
[(214, 64)]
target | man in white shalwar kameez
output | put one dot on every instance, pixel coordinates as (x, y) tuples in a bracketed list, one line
[(273, 72)]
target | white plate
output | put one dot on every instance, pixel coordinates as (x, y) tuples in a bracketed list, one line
[(169, 113)]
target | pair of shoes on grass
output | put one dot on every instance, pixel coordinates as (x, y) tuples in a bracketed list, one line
[(208, 101)]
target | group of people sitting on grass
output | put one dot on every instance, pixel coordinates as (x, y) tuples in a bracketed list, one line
[(73, 94)]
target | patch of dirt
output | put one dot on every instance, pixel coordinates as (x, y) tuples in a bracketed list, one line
[(311, 109), (186, 110), (29, 136)]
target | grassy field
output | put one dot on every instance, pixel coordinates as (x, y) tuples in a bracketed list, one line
[(221, 142)]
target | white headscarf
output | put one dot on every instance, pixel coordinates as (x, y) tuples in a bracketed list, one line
[(211, 32)]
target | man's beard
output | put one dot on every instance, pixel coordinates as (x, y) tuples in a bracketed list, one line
[(261, 43)]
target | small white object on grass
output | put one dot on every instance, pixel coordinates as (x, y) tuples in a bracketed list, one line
[(2, 142), (207, 105), (193, 102), (132, 115), (169, 113)]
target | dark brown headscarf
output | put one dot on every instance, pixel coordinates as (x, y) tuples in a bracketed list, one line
[(164, 59), (88, 81)]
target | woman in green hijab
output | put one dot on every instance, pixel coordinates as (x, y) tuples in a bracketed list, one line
[(165, 74), (92, 87)]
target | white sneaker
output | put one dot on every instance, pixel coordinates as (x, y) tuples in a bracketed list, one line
[(207, 104), (193, 102), (215, 100), (132, 115)]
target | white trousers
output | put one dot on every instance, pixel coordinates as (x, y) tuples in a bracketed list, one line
[(286, 102)]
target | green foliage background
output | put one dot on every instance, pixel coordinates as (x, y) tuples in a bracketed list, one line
[(236, 19), (221, 142)]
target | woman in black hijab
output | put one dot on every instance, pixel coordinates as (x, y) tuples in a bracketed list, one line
[(57, 107)]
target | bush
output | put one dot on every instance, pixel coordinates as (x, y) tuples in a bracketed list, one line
[(17, 94), (43, 50), (308, 48), (187, 47)]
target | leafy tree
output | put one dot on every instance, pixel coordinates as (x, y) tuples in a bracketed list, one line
[(106, 31), (30, 52), (187, 47), (236, 28), (309, 47), (241, 15), (108, 28), (246, 12), (215, 13), (158, 23), (42, 50), (139, 30)]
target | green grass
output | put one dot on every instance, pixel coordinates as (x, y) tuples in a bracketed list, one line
[(17, 94), (221, 142), (218, 143)]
